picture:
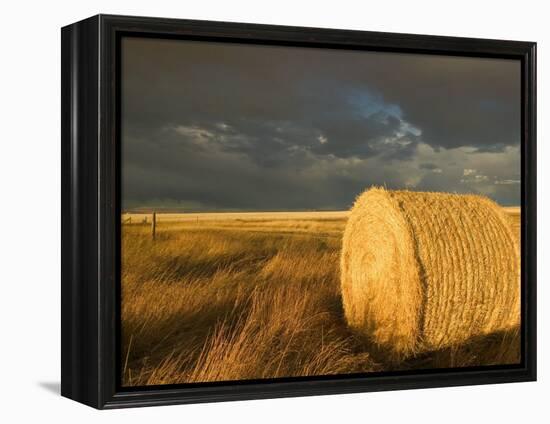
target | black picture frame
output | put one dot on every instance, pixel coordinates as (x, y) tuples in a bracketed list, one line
[(91, 209)]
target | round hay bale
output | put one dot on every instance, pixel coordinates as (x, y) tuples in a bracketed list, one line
[(424, 271)]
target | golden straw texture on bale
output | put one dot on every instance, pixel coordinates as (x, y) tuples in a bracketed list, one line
[(424, 271)]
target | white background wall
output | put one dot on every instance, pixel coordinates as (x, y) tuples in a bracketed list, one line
[(30, 211)]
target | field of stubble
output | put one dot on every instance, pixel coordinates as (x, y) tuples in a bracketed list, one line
[(219, 297)]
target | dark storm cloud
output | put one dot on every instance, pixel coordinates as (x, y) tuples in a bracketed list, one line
[(222, 126), (428, 166)]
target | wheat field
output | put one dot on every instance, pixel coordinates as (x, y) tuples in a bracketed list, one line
[(233, 296)]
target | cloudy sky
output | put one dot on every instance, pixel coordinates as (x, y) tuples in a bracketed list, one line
[(216, 126)]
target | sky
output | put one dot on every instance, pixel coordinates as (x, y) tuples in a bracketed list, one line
[(216, 126)]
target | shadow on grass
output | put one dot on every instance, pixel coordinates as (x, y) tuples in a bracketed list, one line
[(498, 348)]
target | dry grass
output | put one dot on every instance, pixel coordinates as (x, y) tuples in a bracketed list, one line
[(425, 271), (251, 296), (229, 300)]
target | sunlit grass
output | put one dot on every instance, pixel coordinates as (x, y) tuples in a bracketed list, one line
[(249, 297)]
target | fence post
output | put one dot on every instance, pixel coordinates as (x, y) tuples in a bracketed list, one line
[(154, 225)]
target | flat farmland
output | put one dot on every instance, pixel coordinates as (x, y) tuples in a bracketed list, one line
[(231, 296)]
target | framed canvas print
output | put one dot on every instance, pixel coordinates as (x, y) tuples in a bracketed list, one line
[(256, 211)]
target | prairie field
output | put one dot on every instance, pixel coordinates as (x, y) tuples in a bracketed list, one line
[(233, 296)]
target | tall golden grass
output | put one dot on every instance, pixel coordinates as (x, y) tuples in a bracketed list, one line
[(251, 297), (212, 302), (425, 271)]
